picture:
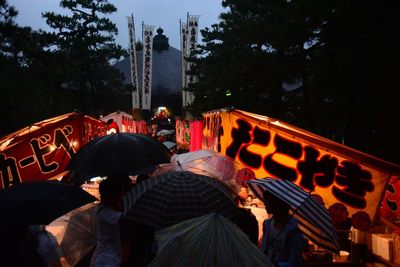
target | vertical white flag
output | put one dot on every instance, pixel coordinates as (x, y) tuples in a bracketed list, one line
[(147, 34), (191, 43), (184, 34), (132, 53)]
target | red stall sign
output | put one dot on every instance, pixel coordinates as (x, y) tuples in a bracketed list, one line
[(42, 151)]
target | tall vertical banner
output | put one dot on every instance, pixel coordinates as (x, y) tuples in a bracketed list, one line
[(147, 34), (192, 26), (184, 34), (132, 50)]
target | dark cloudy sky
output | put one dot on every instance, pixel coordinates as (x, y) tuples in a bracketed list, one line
[(159, 13)]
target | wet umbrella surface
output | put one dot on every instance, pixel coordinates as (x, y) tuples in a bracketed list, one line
[(116, 153), (177, 196), (209, 240), (39, 203), (313, 219)]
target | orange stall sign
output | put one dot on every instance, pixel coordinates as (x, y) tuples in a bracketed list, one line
[(338, 174)]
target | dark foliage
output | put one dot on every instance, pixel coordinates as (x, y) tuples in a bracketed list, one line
[(46, 74), (341, 53)]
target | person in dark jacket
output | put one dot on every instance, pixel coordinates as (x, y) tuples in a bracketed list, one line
[(282, 241)]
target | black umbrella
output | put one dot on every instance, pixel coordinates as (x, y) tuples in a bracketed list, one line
[(173, 197), (125, 153), (39, 203)]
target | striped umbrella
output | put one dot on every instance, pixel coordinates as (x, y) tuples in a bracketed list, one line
[(209, 240), (314, 220), (173, 197)]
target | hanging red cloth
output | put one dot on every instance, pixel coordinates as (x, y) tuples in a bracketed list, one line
[(196, 135)]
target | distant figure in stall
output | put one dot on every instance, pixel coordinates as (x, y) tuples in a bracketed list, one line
[(108, 250), (153, 130), (343, 223), (162, 138), (246, 221), (282, 241)]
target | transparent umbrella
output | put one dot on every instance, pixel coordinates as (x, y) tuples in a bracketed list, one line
[(209, 163), (74, 232)]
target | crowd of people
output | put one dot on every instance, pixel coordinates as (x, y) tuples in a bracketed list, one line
[(121, 242)]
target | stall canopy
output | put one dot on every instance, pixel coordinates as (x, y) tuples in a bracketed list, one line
[(42, 150), (126, 123), (341, 176)]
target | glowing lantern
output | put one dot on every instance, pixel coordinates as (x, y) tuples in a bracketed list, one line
[(243, 175), (338, 212)]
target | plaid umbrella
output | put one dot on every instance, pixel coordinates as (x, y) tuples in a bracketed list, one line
[(126, 153), (314, 220), (209, 240), (177, 196)]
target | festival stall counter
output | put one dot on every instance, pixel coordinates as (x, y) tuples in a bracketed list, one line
[(349, 183), (42, 150)]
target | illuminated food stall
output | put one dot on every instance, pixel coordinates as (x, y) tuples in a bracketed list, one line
[(349, 183)]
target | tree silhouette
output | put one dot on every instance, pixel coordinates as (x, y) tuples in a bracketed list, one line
[(340, 53), (85, 41)]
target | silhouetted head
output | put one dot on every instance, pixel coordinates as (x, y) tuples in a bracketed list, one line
[(274, 205), (111, 192)]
